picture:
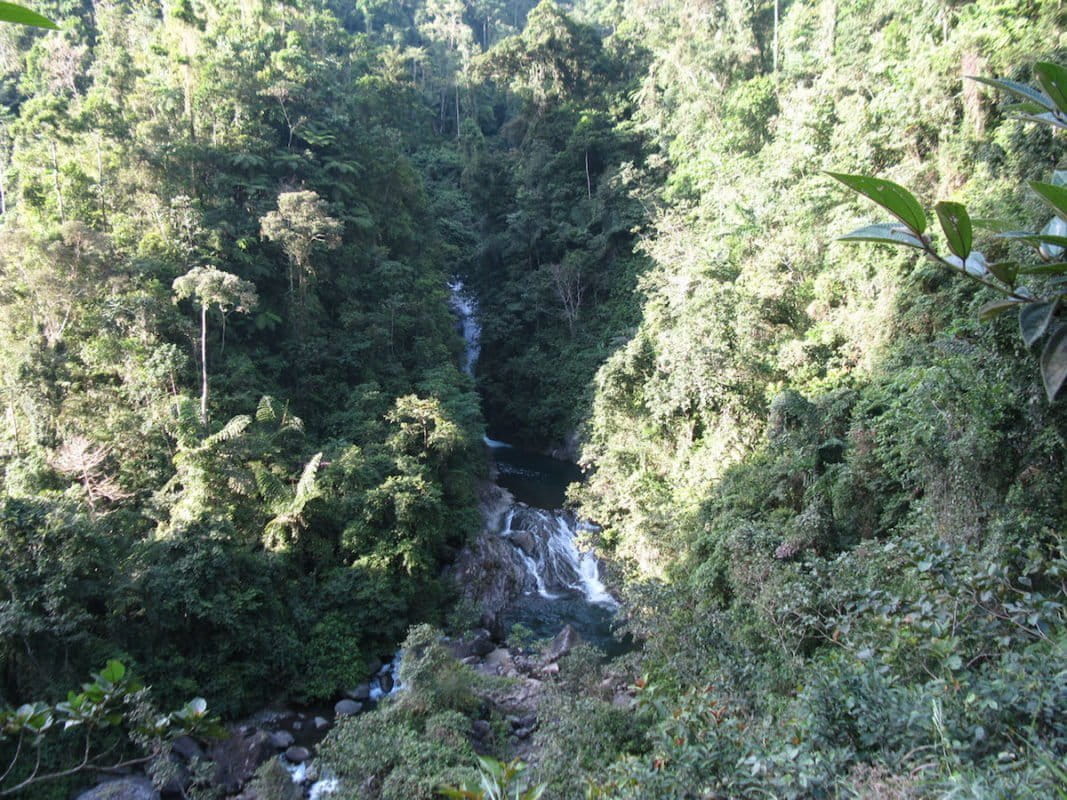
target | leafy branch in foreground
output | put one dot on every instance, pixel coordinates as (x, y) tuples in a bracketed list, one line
[(498, 781), (114, 699), (9, 12), (1040, 304)]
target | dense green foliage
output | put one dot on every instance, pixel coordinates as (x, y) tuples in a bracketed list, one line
[(840, 494), (237, 451), (419, 740), (221, 194)]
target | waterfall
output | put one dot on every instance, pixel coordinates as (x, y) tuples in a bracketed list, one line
[(544, 540), (555, 566), (466, 310)]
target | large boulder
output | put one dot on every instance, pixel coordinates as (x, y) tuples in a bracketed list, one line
[(346, 708), (564, 641), (477, 643), (187, 748), (281, 740), (489, 572), (298, 755), (133, 788), (360, 693), (237, 757), (524, 540)]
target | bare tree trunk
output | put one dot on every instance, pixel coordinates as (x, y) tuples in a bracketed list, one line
[(774, 54), (588, 180), (100, 182), (55, 181), (203, 364)]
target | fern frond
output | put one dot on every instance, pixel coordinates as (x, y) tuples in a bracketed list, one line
[(268, 410), (273, 490), (308, 486), (231, 430)]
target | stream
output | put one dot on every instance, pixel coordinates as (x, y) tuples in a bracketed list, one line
[(563, 585)]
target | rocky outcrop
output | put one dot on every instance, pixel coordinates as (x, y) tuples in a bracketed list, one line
[(133, 788), (564, 641), (237, 757), (346, 708), (489, 572)]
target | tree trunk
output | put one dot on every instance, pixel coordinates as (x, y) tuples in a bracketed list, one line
[(55, 181), (774, 55), (588, 180), (203, 364)]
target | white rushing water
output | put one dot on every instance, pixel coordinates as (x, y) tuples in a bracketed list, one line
[(546, 542), (466, 310)]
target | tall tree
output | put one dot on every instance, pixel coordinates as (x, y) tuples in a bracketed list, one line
[(301, 225), (211, 287)]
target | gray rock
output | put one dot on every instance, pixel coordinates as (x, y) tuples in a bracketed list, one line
[(386, 682), (361, 693), (481, 643), (133, 788), (489, 573), (321, 723), (237, 757), (564, 641), (470, 661), (298, 755), (481, 728), (499, 661), (476, 643), (298, 726), (281, 740), (374, 666), (524, 540), (523, 733), (346, 708)]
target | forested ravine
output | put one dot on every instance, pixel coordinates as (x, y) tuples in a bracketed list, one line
[(299, 299)]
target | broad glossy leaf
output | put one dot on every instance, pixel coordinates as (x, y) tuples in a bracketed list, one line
[(894, 198), (1034, 319), (1025, 108), (956, 223), (1054, 196), (1035, 238), (1020, 90), (1005, 271), (975, 264), (9, 12), (1054, 362), (890, 233), (1053, 79), (996, 308), (1044, 269), (114, 672), (1054, 118), (989, 224)]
